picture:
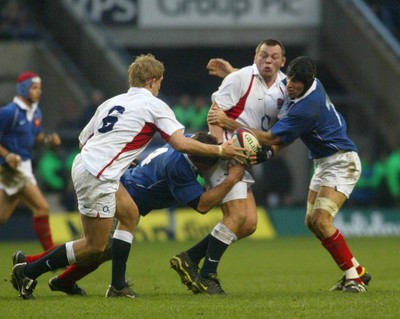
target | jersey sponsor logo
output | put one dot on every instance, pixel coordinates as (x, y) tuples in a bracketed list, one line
[(22, 122)]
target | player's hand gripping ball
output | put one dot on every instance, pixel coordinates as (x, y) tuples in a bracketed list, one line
[(245, 138)]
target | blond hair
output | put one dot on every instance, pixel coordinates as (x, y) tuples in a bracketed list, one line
[(145, 67)]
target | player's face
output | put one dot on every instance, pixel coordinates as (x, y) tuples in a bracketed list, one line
[(156, 86), (294, 88), (35, 92), (269, 60)]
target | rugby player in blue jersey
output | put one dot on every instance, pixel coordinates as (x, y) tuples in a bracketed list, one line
[(163, 179), (20, 131), (311, 116)]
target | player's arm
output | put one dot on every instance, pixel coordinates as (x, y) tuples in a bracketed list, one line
[(10, 158), (213, 196), (213, 128), (217, 118), (271, 146), (266, 138), (219, 67), (190, 146)]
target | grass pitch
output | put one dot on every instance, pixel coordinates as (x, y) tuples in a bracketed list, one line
[(280, 278)]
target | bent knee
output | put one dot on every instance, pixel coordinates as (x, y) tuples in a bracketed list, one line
[(96, 249), (319, 222)]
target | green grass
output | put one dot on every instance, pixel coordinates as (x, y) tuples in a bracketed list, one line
[(281, 278)]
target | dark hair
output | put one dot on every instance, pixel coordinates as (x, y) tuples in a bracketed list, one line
[(206, 138), (271, 43), (302, 69)]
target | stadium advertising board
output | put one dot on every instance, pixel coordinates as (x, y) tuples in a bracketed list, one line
[(362, 222), (201, 13), (184, 224)]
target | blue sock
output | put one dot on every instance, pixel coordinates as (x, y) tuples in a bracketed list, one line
[(215, 250), (198, 251), (56, 259)]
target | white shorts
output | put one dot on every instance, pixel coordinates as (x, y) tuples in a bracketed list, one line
[(96, 198), (340, 171), (17, 181), (218, 173)]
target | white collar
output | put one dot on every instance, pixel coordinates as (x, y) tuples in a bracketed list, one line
[(29, 110)]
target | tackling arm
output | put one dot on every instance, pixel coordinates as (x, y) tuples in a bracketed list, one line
[(213, 196), (267, 138), (190, 146)]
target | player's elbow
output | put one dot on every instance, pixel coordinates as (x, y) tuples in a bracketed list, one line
[(180, 147), (202, 209)]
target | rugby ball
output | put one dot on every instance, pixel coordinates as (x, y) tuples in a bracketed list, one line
[(245, 138)]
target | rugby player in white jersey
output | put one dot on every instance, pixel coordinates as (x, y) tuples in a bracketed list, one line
[(248, 98), (165, 178), (119, 131)]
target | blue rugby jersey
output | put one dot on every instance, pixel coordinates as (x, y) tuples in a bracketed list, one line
[(163, 179), (314, 119), (17, 132)]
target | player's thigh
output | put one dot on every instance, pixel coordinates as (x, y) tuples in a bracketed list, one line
[(7, 205), (332, 195), (33, 197), (251, 217), (339, 171)]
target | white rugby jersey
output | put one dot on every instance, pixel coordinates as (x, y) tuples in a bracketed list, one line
[(121, 129), (244, 96)]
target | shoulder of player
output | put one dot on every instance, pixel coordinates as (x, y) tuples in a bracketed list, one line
[(239, 79), (244, 72), (305, 108), (8, 111), (177, 165)]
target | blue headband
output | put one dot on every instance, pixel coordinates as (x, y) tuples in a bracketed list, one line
[(23, 87)]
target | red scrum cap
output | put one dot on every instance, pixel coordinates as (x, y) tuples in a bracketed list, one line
[(24, 82)]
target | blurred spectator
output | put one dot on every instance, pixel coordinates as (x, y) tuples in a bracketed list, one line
[(199, 120), (14, 22), (97, 97), (69, 125), (184, 110), (192, 112)]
